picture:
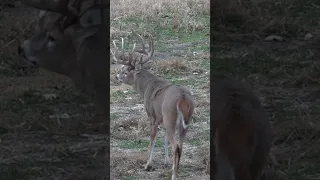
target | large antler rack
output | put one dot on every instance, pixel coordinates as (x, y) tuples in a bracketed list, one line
[(69, 10), (136, 56), (63, 7)]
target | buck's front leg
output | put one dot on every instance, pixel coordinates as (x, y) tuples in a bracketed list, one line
[(101, 114), (153, 132), (101, 101)]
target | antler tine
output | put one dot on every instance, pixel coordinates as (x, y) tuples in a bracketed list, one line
[(76, 7), (113, 53), (134, 47), (124, 61), (150, 51), (151, 46), (122, 43), (142, 44), (74, 10), (69, 10), (114, 44), (60, 6)]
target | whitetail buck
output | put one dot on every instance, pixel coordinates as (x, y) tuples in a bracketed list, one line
[(242, 133), (165, 103), (72, 44)]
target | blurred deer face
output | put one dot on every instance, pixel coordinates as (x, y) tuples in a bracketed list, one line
[(126, 75), (50, 47), (132, 62)]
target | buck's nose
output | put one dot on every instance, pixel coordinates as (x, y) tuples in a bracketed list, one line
[(21, 52), (118, 77)]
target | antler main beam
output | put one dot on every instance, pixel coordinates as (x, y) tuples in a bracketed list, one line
[(120, 57), (136, 56), (148, 52)]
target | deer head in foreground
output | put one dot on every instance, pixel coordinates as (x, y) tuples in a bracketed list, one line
[(165, 103), (66, 44), (242, 133)]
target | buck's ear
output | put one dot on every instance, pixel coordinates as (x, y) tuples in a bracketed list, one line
[(147, 65), (94, 15), (41, 13)]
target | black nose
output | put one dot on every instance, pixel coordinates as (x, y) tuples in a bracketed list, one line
[(19, 49), (21, 52)]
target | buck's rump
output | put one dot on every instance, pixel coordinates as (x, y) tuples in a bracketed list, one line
[(178, 97), (242, 127), (175, 93)]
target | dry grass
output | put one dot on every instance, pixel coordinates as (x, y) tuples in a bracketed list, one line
[(170, 66), (264, 17), (157, 9), (177, 14), (223, 8)]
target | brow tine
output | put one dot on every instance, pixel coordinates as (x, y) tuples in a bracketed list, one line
[(114, 43), (122, 43), (134, 46)]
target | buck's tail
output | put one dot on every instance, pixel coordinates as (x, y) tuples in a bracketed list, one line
[(183, 108)]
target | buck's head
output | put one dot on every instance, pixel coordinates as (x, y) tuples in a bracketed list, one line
[(134, 61), (53, 45)]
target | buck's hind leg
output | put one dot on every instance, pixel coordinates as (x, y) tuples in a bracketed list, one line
[(170, 126), (182, 135), (166, 159)]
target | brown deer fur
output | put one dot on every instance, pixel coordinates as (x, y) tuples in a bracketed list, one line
[(76, 51), (242, 133), (165, 103)]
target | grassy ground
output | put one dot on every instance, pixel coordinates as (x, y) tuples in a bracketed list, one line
[(45, 129), (285, 74), (181, 32)]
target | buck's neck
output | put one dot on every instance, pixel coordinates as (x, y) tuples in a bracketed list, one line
[(146, 83)]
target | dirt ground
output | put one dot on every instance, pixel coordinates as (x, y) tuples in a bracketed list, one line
[(45, 129)]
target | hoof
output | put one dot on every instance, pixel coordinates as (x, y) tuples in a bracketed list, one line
[(166, 164), (148, 168)]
